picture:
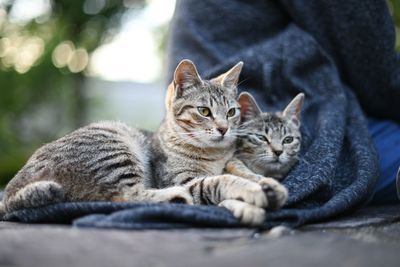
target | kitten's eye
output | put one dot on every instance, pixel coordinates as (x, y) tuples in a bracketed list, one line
[(231, 112), (262, 138), (287, 140), (206, 112)]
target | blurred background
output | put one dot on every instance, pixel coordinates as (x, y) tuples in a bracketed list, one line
[(66, 63)]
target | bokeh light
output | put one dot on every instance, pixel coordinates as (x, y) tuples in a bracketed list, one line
[(21, 52), (133, 54), (78, 60), (62, 53)]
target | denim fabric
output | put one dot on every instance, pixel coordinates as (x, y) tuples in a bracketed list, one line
[(386, 137)]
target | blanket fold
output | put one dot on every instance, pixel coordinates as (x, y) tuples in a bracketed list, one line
[(127, 215)]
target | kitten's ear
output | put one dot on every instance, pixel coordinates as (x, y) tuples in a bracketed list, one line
[(231, 77), (248, 107), (294, 108), (186, 75)]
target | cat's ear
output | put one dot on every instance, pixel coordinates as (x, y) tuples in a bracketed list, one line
[(248, 107), (230, 78), (293, 110), (185, 76)]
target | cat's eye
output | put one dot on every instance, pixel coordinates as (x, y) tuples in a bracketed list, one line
[(231, 112), (262, 138), (287, 140), (206, 112)]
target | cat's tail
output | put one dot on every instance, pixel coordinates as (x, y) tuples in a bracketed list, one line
[(35, 195)]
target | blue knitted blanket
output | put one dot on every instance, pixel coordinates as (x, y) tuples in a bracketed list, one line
[(339, 53)]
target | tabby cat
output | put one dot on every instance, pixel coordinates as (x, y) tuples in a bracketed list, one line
[(182, 161), (268, 143)]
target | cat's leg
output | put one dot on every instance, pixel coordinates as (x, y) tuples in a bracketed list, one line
[(276, 193), (175, 194), (244, 198), (34, 195), (245, 212), (214, 189), (237, 167)]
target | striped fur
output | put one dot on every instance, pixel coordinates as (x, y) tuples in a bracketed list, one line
[(102, 161), (183, 161), (190, 151), (261, 147)]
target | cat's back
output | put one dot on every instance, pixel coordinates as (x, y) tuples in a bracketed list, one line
[(92, 158), (99, 138)]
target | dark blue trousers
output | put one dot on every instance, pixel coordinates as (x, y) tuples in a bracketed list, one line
[(386, 137)]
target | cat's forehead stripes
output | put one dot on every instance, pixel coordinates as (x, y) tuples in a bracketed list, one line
[(210, 95), (206, 88), (207, 94), (276, 124), (272, 120), (270, 124), (275, 128)]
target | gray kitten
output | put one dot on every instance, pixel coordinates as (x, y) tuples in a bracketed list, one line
[(268, 143), (182, 162)]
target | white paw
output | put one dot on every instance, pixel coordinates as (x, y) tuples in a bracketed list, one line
[(244, 212), (276, 193), (245, 190)]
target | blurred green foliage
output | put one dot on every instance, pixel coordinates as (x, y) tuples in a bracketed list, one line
[(394, 7), (34, 85)]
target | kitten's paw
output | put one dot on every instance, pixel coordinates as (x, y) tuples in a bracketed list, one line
[(176, 194), (276, 193), (246, 191), (244, 212)]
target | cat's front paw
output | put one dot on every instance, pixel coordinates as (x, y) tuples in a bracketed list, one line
[(244, 212), (175, 194), (275, 192), (244, 190)]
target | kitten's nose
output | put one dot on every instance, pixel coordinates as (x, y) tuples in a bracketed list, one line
[(222, 130), (278, 152)]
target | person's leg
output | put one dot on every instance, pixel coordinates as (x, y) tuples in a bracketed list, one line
[(386, 137)]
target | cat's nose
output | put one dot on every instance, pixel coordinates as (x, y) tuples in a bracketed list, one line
[(222, 130), (278, 152)]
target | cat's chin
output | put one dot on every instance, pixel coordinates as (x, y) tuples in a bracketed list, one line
[(280, 167), (220, 140), (275, 165), (279, 161), (222, 143)]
